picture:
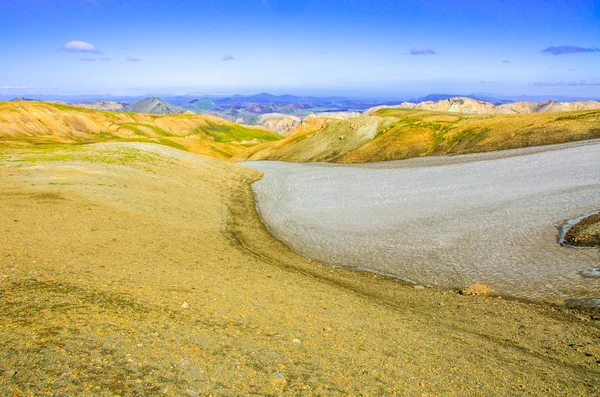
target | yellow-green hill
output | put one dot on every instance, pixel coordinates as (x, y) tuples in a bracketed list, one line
[(392, 134), (52, 123)]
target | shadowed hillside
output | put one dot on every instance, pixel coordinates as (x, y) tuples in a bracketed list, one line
[(391, 134), (50, 123)]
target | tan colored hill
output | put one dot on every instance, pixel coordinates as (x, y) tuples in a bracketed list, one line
[(335, 115), (101, 105), (283, 124), (51, 123), (469, 105), (390, 134)]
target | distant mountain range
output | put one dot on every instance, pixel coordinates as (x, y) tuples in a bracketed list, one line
[(22, 99), (284, 113), (470, 105)]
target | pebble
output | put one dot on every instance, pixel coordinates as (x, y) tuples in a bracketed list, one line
[(418, 287), (185, 305), (277, 379), (192, 393), (185, 363), (296, 340)]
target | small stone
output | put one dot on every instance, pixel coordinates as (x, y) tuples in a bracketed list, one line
[(296, 340), (185, 305), (185, 363), (476, 289), (192, 393), (418, 287), (277, 379)]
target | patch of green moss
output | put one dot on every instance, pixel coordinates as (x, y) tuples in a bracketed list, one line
[(135, 128), (221, 152), (121, 155), (234, 133), (469, 135), (580, 116), (168, 142), (393, 112)]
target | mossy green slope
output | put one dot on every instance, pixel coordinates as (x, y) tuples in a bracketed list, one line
[(392, 134), (23, 123)]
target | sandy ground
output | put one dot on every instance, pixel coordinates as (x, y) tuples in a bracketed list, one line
[(140, 270), (446, 221)]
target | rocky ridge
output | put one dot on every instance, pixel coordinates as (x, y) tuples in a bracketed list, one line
[(469, 105)]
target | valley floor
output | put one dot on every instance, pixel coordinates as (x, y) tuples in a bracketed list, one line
[(447, 221), (135, 269)]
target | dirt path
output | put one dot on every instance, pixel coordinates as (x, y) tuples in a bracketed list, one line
[(141, 270)]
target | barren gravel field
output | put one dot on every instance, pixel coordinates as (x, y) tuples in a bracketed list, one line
[(489, 218)]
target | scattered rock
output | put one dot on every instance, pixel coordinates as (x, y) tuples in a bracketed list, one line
[(585, 233), (476, 289), (593, 272), (185, 363), (192, 393), (296, 340), (277, 379), (185, 305), (418, 287)]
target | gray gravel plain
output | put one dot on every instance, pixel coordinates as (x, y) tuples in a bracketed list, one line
[(448, 222)]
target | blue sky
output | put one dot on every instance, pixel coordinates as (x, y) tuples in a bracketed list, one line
[(355, 48)]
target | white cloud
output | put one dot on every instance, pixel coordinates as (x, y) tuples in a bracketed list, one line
[(131, 59), (80, 46), (15, 87), (578, 83), (24, 87)]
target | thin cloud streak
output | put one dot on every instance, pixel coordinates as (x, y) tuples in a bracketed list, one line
[(567, 50), (578, 83), (422, 51), (25, 87)]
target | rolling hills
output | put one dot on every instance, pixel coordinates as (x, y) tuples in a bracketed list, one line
[(52, 123), (391, 134), (386, 134)]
